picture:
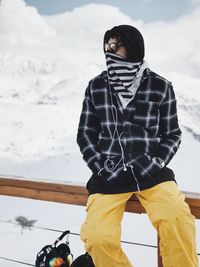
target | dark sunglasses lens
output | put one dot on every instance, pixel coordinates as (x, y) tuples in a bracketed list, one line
[(111, 47)]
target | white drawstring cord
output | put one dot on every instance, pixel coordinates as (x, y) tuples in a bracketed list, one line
[(106, 162)]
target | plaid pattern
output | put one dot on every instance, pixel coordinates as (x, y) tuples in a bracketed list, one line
[(148, 126)]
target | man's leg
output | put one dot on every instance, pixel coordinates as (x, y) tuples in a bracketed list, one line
[(101, 231), (171, 216)]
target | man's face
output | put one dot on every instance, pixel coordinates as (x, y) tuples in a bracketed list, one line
[(115, 46)]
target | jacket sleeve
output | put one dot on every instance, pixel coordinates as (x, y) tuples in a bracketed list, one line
[(88, 133), (169, 131)]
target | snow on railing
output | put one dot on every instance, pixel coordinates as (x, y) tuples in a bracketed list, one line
[(75, 194)]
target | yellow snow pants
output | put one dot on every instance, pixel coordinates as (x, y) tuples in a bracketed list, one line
[(169, 213)]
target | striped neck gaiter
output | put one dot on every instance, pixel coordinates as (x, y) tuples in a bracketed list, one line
[(122, 75)]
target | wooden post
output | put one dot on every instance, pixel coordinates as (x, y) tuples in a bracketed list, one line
[(158, 253)]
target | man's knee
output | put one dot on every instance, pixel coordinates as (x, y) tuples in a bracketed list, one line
[(171, 211), (99, 236)]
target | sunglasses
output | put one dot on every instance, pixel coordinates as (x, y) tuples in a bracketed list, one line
[(113, 47)]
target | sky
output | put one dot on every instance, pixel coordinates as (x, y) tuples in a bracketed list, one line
[(146, 10)]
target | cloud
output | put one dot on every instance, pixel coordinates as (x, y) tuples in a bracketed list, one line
[(22, 24), (174, 45), (85, 25)]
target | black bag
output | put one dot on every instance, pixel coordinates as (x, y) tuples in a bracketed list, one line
[(55, 255), (83, 261)]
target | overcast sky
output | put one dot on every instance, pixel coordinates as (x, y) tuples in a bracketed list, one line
[(147, 10)]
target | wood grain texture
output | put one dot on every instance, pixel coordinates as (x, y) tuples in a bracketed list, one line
[(71, 193)]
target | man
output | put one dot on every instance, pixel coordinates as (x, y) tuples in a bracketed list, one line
[(128, 133)]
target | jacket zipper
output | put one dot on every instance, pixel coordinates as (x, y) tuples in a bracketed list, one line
[(138, 187)]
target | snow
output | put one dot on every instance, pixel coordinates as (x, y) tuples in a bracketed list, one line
[(45, 65)]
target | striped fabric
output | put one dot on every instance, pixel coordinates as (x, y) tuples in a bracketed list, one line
[(148, 126), (122, 75)]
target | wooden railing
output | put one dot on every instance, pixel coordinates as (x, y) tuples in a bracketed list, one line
[(75, 194)]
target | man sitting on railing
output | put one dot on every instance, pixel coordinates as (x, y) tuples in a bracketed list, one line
[(128, 132)]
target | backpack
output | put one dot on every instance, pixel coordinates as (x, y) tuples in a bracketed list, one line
[(55, 255), (60, 256)]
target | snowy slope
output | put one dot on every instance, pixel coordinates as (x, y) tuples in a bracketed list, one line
[(188, 94)]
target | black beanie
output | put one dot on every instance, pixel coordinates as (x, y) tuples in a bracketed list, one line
[(132, 40)]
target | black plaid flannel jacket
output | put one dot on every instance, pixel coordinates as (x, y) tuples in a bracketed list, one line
[(148, 126)]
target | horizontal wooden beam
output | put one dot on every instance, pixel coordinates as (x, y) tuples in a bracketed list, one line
[(70, 193)]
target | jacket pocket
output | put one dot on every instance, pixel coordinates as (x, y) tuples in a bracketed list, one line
[(145, 165), (146, 113)]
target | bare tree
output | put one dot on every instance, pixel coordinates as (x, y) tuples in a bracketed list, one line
[(24, 222)]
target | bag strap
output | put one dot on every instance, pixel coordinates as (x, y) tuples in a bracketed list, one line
[(61, 237)]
